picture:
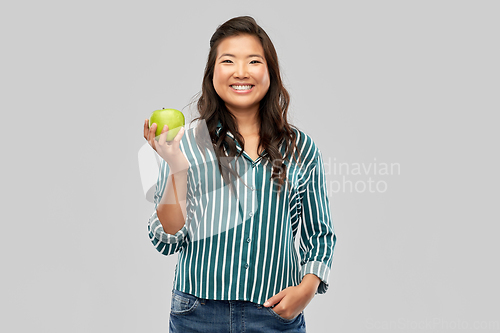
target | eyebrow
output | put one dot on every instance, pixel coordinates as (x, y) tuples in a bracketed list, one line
[(232, 55)]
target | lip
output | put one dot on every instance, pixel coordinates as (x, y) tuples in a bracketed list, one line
[(242, 91)]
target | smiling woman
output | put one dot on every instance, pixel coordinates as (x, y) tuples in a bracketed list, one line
[(231, 202), (241, 76)]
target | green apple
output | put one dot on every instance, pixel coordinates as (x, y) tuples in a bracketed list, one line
[(173, 118)]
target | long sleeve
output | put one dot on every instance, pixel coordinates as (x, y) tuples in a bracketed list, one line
[(317, 238), (164, 243)]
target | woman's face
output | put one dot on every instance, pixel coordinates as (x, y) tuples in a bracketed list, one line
[(241, 77)]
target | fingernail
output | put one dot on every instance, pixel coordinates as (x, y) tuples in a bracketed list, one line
[(266, 304)]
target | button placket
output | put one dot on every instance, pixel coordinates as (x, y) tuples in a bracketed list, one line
[(251, 195), (252, 203)]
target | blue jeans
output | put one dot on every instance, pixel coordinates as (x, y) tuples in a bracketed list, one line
[(190, 314)]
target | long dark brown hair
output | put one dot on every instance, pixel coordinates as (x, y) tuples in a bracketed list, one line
[(273, 108)]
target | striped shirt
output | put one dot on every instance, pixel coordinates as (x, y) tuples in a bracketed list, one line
[(240, 245)]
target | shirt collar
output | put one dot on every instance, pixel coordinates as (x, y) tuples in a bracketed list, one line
[(219, 126), (238, 147), (229, 134)]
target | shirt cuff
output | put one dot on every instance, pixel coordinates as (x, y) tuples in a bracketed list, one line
[(156, 229), (319, 269)]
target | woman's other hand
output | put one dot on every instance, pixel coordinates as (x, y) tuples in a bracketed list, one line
[(291, 301)]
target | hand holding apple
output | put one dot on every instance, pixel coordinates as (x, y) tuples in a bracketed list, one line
[(168, 150)]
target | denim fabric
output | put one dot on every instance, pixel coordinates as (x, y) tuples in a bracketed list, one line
[(189, 313)]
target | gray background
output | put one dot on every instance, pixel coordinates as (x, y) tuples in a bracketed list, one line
[(408, 82)]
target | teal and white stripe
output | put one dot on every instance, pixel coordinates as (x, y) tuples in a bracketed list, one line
[(241, 247)]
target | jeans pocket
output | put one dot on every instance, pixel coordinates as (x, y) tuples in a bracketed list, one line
[(281, 318), (183, 303)]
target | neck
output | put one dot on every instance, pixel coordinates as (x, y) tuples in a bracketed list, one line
[(247, 120)]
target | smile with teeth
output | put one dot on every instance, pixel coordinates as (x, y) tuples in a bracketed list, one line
[(245, 87)]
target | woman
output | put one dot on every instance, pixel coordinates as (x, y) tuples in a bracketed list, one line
[(232, 194)]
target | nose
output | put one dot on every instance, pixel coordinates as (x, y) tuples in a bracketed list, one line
[(241, 71)]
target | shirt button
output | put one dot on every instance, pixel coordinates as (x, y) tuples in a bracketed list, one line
[(246, 265), (248, 240), (250, 214), (252, 188)]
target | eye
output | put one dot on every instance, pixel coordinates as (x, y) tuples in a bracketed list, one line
[(225, 61), (254, 61)]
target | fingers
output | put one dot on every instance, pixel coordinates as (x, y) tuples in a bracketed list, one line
[(179, 135), (151, 135), (175, 142), (156, 142), (163, 135), (146, 129)]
